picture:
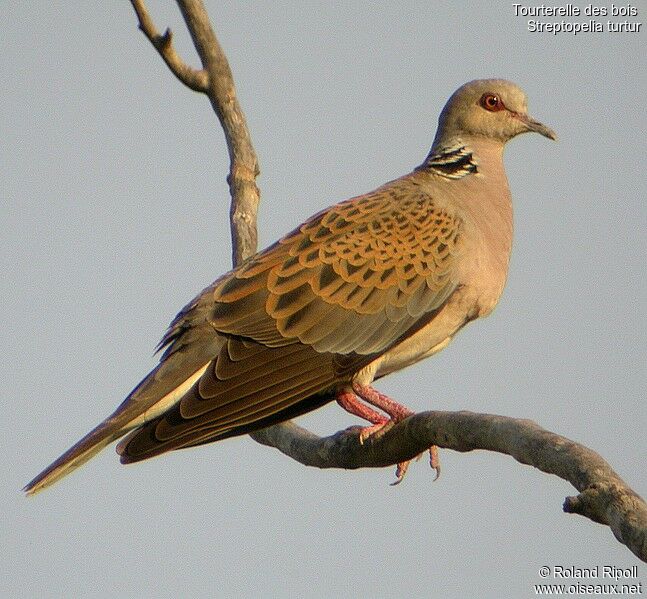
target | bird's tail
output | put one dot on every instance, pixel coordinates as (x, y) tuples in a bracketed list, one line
[(162, 388), (98, 438), (190, 344)]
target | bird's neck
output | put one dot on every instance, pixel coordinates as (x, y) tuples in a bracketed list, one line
[(451, 159), (471, 171), (486, 186), (458, 157)]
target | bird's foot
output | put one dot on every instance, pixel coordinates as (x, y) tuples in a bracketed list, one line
[(349, 401), (396, 412)]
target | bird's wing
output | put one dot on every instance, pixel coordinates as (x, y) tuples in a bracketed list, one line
[(352, 279), (242, 389), (309, 312)]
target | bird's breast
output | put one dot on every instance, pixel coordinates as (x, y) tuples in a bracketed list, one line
[(430, 339), (486, 206)]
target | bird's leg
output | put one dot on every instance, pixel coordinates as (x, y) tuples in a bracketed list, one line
[(348, 400), (397, 412)]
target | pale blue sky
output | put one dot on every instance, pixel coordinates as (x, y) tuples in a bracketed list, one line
[(114, 214)]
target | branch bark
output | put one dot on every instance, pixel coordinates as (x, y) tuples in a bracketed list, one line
[(216, 81), (603, 496)]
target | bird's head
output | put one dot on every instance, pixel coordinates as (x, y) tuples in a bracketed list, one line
[(490, 108)]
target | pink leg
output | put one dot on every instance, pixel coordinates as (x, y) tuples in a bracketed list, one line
[(348, 400), (396, 411), (385, 403)]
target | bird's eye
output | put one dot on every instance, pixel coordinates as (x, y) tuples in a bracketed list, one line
[(491, 102)]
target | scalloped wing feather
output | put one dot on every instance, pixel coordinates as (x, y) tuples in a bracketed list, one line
[(383, 258)]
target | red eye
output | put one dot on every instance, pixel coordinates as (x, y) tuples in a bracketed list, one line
[(491, 102)]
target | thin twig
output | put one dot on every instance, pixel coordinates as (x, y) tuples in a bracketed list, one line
[(216, 81), (243, 162), (197, 80)]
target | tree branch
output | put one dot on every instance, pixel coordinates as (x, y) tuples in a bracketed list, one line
[(216, 81), (195, 79), (603, 496), (243, 162)]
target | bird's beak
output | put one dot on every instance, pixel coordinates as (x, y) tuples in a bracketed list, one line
[(536, 126)]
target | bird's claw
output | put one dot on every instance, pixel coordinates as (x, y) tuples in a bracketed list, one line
[(369, 431), (402, 467), (434, 460), (400, 471), (380, 424)]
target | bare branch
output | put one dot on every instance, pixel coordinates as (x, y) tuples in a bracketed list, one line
[(216, 81), (222, 94), (603, 496), (195, 79)]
